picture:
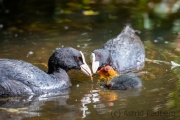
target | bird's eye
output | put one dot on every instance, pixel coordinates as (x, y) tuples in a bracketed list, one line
[(77, 58), (98, 54)]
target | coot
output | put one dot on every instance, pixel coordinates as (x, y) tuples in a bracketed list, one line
[(124, 53), (21, 78)]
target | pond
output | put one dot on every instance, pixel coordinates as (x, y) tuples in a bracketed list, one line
[(32, 31)]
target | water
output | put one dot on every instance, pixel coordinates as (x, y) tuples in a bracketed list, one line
[(33, 34)]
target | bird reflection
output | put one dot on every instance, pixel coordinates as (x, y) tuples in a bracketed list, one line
[(15, 108)]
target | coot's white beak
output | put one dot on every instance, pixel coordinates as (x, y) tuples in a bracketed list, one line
[(95, 64), (84, 67)]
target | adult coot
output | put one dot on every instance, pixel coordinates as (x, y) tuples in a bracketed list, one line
[(22, 78), (123, 54)]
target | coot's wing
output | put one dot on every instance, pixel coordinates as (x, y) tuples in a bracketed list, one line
[(13, 88)]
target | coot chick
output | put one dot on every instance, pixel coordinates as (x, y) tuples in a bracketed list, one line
[(114, 81), (124, 53), (21, 78)]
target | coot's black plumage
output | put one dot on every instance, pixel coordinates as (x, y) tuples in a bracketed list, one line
[(124, 53), (22, 78)]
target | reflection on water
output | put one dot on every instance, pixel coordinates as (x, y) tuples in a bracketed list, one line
[(32, 32), (57, 107)]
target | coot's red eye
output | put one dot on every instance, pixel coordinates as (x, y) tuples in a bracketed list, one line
[(77, 58), (98, 54)]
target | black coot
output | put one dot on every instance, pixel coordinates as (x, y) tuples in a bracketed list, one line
[(124, 53), (22, 78)]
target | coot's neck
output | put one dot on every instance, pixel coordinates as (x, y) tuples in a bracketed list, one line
[(60, 74), (54, 68)]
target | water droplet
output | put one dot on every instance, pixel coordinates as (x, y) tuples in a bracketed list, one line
[(166, 42), (30, 52), (57, 48), (66, 27), (155, 41)]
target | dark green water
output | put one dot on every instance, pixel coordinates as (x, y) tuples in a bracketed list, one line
[(31, 31)]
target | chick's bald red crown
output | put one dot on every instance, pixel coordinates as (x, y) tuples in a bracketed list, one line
[(105, 70)]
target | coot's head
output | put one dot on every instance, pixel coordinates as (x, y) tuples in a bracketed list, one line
[(100, 58), (68, 58)]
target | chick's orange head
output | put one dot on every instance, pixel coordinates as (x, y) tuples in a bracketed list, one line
[(107, 73)]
